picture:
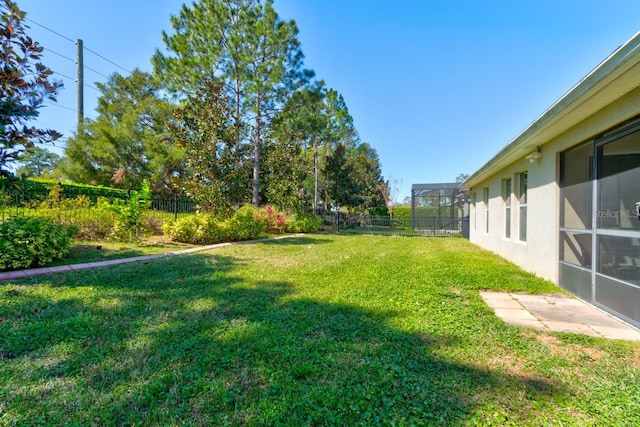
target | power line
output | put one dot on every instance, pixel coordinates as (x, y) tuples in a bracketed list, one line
[(64, 75), (60, 106), (96, 71), (108, 60), (59, 54), (73, 79), (73, 41), (49, 29)]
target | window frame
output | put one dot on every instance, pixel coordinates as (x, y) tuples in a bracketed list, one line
[(507, 191), (522, 205)]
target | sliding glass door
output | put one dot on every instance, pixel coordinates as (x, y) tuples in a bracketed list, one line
[(617, 273), (600, 236)]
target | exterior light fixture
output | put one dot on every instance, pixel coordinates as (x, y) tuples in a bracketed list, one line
[(534, 155)]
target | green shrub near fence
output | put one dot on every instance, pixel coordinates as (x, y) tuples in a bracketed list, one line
[(379, 211), (303, 223), (198, 229), (402, 216), (33, 242), (246, 224)]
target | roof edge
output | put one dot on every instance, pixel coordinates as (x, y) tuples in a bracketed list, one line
[(573, 97)]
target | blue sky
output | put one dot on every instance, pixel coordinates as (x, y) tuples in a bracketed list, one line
[(437, 87)]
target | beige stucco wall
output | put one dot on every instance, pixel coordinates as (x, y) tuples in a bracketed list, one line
[(539, 254)]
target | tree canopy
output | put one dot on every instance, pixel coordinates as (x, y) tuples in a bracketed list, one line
[(245, 45), (25, 83), (128, 142), (204, 129), (37, 162), (229, 116)]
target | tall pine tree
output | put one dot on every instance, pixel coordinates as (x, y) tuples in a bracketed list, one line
[(255, 54)]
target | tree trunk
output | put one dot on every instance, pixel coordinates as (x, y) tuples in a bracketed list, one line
[(256, 157), (315, 175), (237, 165)]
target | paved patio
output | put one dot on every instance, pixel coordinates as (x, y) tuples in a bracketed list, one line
[(558, 313)]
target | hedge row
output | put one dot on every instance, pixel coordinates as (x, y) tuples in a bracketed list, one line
[(42, 186), (246, 224)]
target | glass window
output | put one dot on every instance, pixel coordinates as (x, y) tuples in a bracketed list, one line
[(522, 200), (507, 207), (576, 187), (485, 198), (619, 257), (619, 184), (575, 248)]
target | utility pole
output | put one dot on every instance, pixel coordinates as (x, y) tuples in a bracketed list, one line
[(80, 82)]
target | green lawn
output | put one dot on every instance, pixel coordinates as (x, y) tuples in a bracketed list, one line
[(86, 251), (317, 330)]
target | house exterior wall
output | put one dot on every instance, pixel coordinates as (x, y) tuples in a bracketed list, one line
[(539, 253)]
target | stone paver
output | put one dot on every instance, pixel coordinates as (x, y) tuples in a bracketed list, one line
[(558, 313), (514, 314), (574, 328)]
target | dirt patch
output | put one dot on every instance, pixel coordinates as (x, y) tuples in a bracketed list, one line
[(572, 352)]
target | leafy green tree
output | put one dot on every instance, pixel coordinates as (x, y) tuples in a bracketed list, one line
[(275, 72), (339, 188), (303, 124), (247, 46), (208, 42), (353, 178), (25, 85), (36, 162), (129, 140), (462, 177), (285, 170), (364, 169), (318, 120), (340, 131), (204, 129)]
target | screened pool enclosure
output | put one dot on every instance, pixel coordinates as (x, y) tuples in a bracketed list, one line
[(441, 206)]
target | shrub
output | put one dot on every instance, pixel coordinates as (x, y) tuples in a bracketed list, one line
[(245, 224), (402, 216), (274, 221), (300, 223), (152, 224), (129, 223), (198, 229), (93, 224), (33, 242), (379, 211)]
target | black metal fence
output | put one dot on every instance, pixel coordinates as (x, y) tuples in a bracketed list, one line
[(38, 202), (388, 226)]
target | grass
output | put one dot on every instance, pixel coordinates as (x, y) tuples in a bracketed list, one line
[(316, 330), (88, 251)]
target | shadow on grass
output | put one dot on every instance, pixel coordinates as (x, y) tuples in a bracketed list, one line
[(95, 252), (193, 340), (302, 240)]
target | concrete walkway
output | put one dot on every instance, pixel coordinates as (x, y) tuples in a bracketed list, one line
[(21, 274), (558, 313)]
